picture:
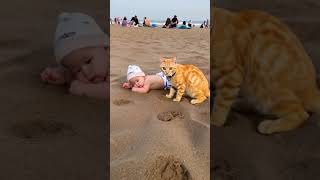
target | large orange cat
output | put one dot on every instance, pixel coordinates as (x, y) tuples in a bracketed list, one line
[(185, 79), (256, 54)]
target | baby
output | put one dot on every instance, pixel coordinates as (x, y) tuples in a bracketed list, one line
[(141, 83), (81, 51)]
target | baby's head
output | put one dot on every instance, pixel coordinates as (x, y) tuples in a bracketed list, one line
[(81, 46), (135, 76)]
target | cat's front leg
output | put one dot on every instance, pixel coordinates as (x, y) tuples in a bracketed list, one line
[(171, 93), (227, 90), (180, 93)]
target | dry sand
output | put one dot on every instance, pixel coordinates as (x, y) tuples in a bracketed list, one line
[(140, 142), (45, 133), (238, 151)]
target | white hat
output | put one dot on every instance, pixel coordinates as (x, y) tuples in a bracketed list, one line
[(134, 71), (75, 31)]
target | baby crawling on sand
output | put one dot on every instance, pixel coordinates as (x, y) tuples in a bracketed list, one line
[(80, 48), (137, 81)]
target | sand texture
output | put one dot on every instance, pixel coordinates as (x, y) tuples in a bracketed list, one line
[(153, 137)]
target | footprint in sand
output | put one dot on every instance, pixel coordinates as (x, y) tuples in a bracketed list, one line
[(223, 171), (120, 102), (167, 168), (41, 128), (170, 115)]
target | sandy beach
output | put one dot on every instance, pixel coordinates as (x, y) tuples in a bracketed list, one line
[(238, 151), (141, 143), (45, 133)]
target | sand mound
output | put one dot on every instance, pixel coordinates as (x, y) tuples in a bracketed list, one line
[(167, 168)]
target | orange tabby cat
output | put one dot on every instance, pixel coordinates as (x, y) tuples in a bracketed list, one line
[(253, 52), (185, 79)]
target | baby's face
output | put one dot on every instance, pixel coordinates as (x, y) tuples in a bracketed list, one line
[(137, 81), (88, 64)]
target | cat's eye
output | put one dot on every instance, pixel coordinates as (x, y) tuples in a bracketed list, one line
[(163, 68)]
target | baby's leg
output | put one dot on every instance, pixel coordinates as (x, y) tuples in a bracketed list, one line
[(171, 93)]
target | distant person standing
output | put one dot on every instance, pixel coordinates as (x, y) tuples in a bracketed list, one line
[(174, 22), (207, 24)]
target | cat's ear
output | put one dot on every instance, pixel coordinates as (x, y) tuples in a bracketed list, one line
[(162, 59), (174, 59)]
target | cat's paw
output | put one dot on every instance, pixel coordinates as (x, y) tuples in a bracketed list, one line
[(266, 127), (196, 101), (177, 100), (168, 96)]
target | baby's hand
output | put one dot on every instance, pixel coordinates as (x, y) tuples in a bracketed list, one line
[(53, 75), (77, 88), (126, 85)]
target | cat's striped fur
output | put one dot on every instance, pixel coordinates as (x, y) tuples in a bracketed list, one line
[(185, 79), (256, 55)]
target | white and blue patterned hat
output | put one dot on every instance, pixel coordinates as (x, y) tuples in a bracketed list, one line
[(134, 71), (75, 31)]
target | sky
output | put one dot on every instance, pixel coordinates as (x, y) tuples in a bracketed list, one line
[(196, 10)]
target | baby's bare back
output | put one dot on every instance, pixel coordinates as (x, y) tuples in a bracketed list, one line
[(155, 81)]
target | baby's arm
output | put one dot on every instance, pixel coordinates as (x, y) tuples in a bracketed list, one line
[(57, 75), (144, 89), (126, 85), (98, 90)]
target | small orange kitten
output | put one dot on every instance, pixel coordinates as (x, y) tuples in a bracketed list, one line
[(185, 79), (253, 52)]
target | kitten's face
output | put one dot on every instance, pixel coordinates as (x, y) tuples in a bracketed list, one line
[(168, 66)]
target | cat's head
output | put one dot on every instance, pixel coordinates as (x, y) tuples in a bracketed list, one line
[(168, 65)]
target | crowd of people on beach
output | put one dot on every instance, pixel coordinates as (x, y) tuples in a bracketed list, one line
[(169, 23)]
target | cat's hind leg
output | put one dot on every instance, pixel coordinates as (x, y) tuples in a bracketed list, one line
[(198, 98), (289, 110)]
